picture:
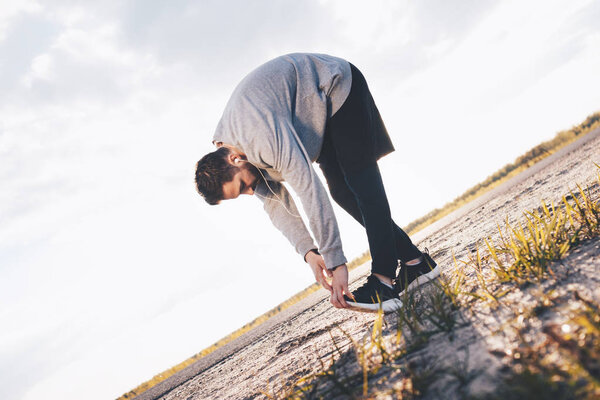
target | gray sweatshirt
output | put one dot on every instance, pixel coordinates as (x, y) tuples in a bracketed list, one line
[(277, 116)]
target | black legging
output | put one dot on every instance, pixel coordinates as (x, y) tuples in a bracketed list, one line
[(355, 138), (362, 195)]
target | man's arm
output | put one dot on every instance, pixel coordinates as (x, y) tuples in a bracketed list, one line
[(281, 149), (280, 206), (297, 170)]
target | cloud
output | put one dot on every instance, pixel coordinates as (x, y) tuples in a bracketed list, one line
[(529, 52), (71, 65), (109, 50), (214, 42), (401, 38), (27, 36), (10, 10)]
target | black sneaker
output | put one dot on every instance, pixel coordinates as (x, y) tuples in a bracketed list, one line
[(373, 295), (412, 276)]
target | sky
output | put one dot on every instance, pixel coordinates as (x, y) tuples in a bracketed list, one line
[(112, 267)]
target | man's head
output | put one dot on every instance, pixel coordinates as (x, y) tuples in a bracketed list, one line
[(225, 174)]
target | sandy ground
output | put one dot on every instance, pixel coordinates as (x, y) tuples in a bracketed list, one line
[(294, 343)]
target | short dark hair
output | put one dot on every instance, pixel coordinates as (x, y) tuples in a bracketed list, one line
[(212, 172)]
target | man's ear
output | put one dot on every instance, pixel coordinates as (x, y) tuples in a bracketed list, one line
[(232, 156)]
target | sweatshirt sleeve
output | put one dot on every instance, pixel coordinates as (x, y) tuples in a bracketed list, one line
[(297, 170), (280, 206)]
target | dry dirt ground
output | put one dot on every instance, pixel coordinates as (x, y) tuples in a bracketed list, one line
[(466, 362)]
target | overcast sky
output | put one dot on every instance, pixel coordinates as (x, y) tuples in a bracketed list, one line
[(112, 268)]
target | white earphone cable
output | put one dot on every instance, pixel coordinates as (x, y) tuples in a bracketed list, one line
[(278, 199)]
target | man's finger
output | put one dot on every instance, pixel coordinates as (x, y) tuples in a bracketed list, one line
[(340, 296), (349, 293), (333, 300), (343, 301), (335, 297), (326, 285)]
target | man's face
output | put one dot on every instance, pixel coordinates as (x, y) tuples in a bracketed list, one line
[(244, 182)]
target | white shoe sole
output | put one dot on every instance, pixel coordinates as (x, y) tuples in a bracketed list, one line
[(421, 280), (387, 306)]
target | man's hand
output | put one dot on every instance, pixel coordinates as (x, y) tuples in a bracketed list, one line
[(317, 264), (340, 286)]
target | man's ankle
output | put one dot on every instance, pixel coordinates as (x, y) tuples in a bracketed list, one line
[(384, 279), (414, 262)]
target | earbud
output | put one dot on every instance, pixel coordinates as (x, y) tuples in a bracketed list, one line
[(237, 161)]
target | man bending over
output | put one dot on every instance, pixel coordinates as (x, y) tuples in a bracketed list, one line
[(286, 114)]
